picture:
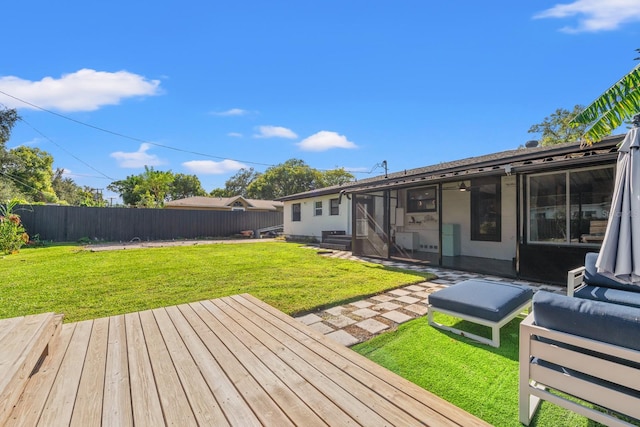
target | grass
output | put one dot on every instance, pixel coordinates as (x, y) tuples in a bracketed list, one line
[(85, 285), (475, 377)]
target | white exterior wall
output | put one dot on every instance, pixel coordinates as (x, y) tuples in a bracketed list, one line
[(311, 225), (457, 210), (456, 206)]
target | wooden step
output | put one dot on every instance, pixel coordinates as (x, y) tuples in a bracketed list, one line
[(336, 246), (24, 342)]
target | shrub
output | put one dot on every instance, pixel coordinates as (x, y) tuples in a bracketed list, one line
[(12, 233)]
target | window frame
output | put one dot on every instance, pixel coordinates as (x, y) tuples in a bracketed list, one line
[(567, 205), (334, 207), (480, 204), (317, 208), (296, 214)]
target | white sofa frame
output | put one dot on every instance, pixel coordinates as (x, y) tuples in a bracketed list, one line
[(575, 279), (536, 381)]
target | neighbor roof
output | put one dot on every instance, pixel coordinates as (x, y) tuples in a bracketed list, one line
[(520, 159), (224, 202)]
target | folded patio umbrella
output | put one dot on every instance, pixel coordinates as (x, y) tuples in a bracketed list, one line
[(619, 256)]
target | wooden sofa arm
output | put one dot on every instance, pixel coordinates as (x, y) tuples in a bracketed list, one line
[(574, 279)]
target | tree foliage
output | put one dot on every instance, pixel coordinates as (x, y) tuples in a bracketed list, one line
[(557, 128), (238, 184), (185, 186), (8, 118), (291, 177), (31, 171), (71, 193), (617, 104), (152, 188)]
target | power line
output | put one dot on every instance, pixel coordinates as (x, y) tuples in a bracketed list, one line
[(132, 138), (65, 150)]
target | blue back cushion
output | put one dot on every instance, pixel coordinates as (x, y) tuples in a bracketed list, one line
[(592, 277), (600, 321)]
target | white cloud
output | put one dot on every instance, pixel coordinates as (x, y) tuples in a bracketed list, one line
[(231, 112), (325, 140), (595, 15), (235, 134), (275, 132), (209, 167), (137, 159), (84, 90)]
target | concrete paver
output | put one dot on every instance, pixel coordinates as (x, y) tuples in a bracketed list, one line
[(361, 320), (372, 326), (396, 316), (365, 313)]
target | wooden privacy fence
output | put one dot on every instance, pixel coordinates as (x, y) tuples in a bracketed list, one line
[(71, 223)]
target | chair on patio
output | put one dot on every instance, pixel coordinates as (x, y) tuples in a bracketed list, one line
[(587, 347)]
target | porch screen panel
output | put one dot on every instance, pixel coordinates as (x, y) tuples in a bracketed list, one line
[(371, 239)]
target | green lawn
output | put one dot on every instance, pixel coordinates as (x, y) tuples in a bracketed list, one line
[(84, 284), (475, 377)]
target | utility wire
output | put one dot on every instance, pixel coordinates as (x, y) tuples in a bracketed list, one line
[(65, 150), (132, 138)]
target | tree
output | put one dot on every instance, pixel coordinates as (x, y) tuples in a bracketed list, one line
[(337, 176), (154, 187), (557, 128), (126, 188), (68, 191), (238, 184), (185, 186), (31, 171), (617, 104), (8, 118), (293, 176)]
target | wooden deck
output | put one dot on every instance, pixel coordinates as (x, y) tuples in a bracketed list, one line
[(229, 361)]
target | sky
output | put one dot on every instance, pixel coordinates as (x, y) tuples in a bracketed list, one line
[(208, 88)]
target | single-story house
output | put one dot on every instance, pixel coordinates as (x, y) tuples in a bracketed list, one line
[(236, 203), (528, 213)]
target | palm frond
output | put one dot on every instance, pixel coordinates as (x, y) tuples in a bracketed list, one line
[(609, 110)]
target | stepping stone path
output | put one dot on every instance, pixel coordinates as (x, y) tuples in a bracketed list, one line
[(361, 320)]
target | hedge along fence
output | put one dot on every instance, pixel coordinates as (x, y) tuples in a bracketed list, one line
[(71, 223)]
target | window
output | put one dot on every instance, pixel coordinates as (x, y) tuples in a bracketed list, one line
[(295, 212), (486, 209), (318, 208), (334, 207), (422, 199), (570, 207)]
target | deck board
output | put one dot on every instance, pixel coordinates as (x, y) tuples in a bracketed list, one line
[(91, 388), (229, 361)]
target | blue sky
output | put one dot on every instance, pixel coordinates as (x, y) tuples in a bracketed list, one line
[(207, 88)]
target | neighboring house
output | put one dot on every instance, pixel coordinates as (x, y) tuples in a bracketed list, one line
[(531, 213), (237, 203)]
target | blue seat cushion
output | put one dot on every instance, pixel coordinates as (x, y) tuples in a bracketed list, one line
[(487, 300), (592, 277), (601, 321), (614, 296)]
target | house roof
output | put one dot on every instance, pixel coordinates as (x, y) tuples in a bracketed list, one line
[(511, 161), (224, 202)]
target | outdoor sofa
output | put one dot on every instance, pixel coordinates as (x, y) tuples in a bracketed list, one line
[(585, 344)]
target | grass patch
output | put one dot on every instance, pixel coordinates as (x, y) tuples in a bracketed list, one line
[(85, 285), (475, 377)]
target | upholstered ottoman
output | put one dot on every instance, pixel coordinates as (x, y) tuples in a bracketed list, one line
[(487, 303)]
